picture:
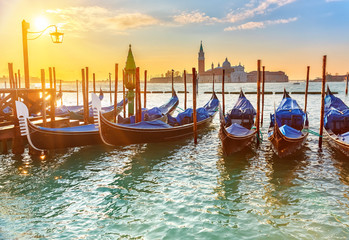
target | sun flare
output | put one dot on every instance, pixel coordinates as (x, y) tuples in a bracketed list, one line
[(41, 23)]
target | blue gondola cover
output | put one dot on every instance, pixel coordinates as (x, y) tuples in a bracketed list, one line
[(155, 124), (290, 132), (243, 107), (238, 130), (336, 114), (289, 113)]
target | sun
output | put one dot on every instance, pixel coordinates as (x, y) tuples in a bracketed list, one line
[(41, 23)]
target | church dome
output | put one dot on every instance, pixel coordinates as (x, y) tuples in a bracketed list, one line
[(226, 63)]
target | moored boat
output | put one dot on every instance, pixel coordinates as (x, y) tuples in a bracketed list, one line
[(288, 127), (43, 138), (236, 128), (157, 131), (336, 123)]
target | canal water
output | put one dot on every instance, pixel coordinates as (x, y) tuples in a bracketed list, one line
[(178, 190)]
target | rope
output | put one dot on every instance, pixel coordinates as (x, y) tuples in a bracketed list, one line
[(312, 132)]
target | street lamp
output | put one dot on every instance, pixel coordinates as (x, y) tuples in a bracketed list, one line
[(57, 37)]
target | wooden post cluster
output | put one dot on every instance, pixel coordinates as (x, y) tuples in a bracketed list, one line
[(258, 98), (116, 90), (195, 129), (306, 90), (322, 112), (263, 82)]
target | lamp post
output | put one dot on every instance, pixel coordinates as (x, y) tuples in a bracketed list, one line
[(57, 37)]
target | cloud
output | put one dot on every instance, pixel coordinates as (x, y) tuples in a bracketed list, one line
[(252, 9), (194, 17), (254, 25), (133, 20), (333, 1), (95, 18)]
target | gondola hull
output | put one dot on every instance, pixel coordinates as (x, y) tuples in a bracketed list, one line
[(117, 135), (336, 144), (232, 144), (284, 146), (44, 139)]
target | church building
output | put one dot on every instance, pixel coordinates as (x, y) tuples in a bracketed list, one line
[(234, 74)]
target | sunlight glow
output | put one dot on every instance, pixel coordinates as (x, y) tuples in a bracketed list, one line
[(41, 23)]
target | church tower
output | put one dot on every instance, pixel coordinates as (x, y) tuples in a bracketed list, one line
[(201, 60)]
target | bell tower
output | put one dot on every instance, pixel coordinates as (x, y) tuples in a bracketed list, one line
[(201, 60)]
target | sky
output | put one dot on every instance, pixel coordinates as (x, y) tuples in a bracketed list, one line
[(287, 35)]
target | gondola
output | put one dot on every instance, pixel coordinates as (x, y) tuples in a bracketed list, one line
[(288, 127), (236, 128), (336, 123), (157, 131), (43, 138)]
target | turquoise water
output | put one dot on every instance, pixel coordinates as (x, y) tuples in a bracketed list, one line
[(178, 190)]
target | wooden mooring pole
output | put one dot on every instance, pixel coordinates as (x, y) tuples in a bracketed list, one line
[(172, 80), (94, 82), (60, 90), (185, 89), (84, 96), (145, 89), (19, 78), (43, 109), (322, 112), (223, 99), (306, 90), (116, 90), (86, 86), (263, 82), (138, 98), (123, 92), (258, 99), (346, 85), (110, 88), (16, 82), (195, 128), (50, 77), (77, 92), (10, 76)]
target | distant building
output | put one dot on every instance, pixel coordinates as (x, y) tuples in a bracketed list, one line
[(269, 76), (331, 78), (232, 73)]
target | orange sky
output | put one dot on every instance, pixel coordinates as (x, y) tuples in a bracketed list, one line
[(167, 35)]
